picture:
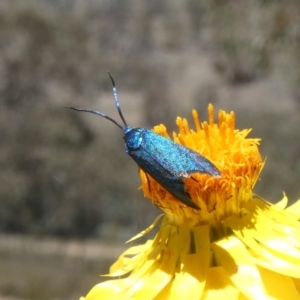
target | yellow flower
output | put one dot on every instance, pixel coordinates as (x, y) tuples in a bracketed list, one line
[(238, 246)]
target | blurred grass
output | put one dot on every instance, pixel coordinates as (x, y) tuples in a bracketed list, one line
[(66, 174)]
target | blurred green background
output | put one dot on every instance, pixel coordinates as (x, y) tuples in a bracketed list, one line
[(69, 195)]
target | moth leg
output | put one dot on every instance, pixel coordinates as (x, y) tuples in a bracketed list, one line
[(189, 203), (148, 181), (157, 205), (194, 179)]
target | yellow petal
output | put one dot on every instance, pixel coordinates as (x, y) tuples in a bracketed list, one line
[(147, 230), (276, 215), (189, 283), (266, 257), (164, 273), (297, 284), (137, 280), (219, 286), (157, 266), (239, 265), (275, 263), (271, 227), (106, 290), (282, 203), (294, 209), (263, 231), (124, 265), (135, 256), (288, 233), (278, 286)]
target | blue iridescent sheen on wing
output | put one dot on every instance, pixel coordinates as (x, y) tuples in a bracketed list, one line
[(166, 162)]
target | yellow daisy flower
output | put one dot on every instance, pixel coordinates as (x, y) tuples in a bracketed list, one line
[(237, 246)]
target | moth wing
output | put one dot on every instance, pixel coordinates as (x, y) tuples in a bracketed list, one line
[(171, 181), (178, 160), (159, 160)]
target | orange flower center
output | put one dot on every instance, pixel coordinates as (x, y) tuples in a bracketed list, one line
[(237, 158)]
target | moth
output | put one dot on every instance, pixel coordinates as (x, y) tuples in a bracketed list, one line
[(167, 162)]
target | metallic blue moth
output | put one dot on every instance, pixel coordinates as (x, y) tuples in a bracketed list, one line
[(166, 162)]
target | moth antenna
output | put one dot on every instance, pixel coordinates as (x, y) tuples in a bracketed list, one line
[(116, 99), (96, 113)]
